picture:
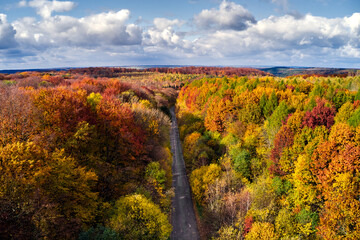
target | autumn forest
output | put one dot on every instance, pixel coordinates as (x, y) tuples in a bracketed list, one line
[(86, 154)]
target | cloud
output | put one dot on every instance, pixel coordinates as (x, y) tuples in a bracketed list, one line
[(7, 33), (108, 28), (22, 3), (163, 35), (163, 23), (284, 4), (229, 16), (315, 37), (45, 8), (227, 35)]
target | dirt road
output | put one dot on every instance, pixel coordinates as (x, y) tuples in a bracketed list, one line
[(183, 216)]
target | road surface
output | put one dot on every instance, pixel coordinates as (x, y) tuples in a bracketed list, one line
[(183, 217)]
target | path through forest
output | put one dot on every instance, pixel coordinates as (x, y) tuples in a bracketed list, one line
[(183, 216)]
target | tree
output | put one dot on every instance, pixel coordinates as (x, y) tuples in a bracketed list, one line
[(274, 122), (262, 231), (320, 115), (201, 178), (154, 171), (241, 159), (354, 119), (218, 113), (336, 167), (52, 194), (18, 116), (284, 224), (318, 91), (250, 114), (61, 110), (304, 192), (99, 233), (136, 217), (344, 112), (262, 103), (284, 139), (271, 104), (357, 95)]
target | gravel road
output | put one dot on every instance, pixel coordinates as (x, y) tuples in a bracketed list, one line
[(183, 216)]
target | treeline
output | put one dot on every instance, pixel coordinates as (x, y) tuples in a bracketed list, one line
[(84, 158), (213, 71), (273, 158)]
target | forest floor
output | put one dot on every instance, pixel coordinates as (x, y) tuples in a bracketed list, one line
[(183, 217)]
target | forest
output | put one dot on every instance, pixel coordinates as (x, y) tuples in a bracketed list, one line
[(273, 158), (84, 157), (85, 153)]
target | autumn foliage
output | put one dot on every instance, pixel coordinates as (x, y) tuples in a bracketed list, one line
[(292, 144), (73, 146), (85, 154)]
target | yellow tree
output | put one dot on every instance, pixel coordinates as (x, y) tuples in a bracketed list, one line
[(136, 217)]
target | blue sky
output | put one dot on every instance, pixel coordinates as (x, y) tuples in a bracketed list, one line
[(80, 33)]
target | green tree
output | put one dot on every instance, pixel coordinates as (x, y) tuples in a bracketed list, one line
[(274, 122), (241, 159), (271, 104), (354, 120), (154, 171)]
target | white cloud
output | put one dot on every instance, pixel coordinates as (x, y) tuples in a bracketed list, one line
[(7, 33), (228, 34), (163, 23), (22, 3), (286, 32), (108, 28), (162, 34), (284, 4), (229, 16), (349, 51), (45, 8)]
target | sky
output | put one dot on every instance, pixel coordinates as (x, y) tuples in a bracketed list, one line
[(88, 33)]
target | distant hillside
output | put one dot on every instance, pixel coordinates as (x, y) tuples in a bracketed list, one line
[(289, 71), (200, 70), (213, 71), (117, 71)]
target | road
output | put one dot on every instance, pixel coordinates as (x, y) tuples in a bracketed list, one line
[(183, 217)]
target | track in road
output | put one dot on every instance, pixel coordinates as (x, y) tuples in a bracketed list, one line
[(183, 217)]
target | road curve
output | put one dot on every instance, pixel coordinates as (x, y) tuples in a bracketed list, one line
[(183, 217)]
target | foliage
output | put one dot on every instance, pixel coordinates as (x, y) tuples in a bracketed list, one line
[(292, 143), (136, 217), (154, 171), (344, 112), (263, 231), (271, 105), (267, 157), (70, 145), (51, 191), (99, 233), (201, 178), (354, 119), (274, 122), (241, 159), (320, 115)]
